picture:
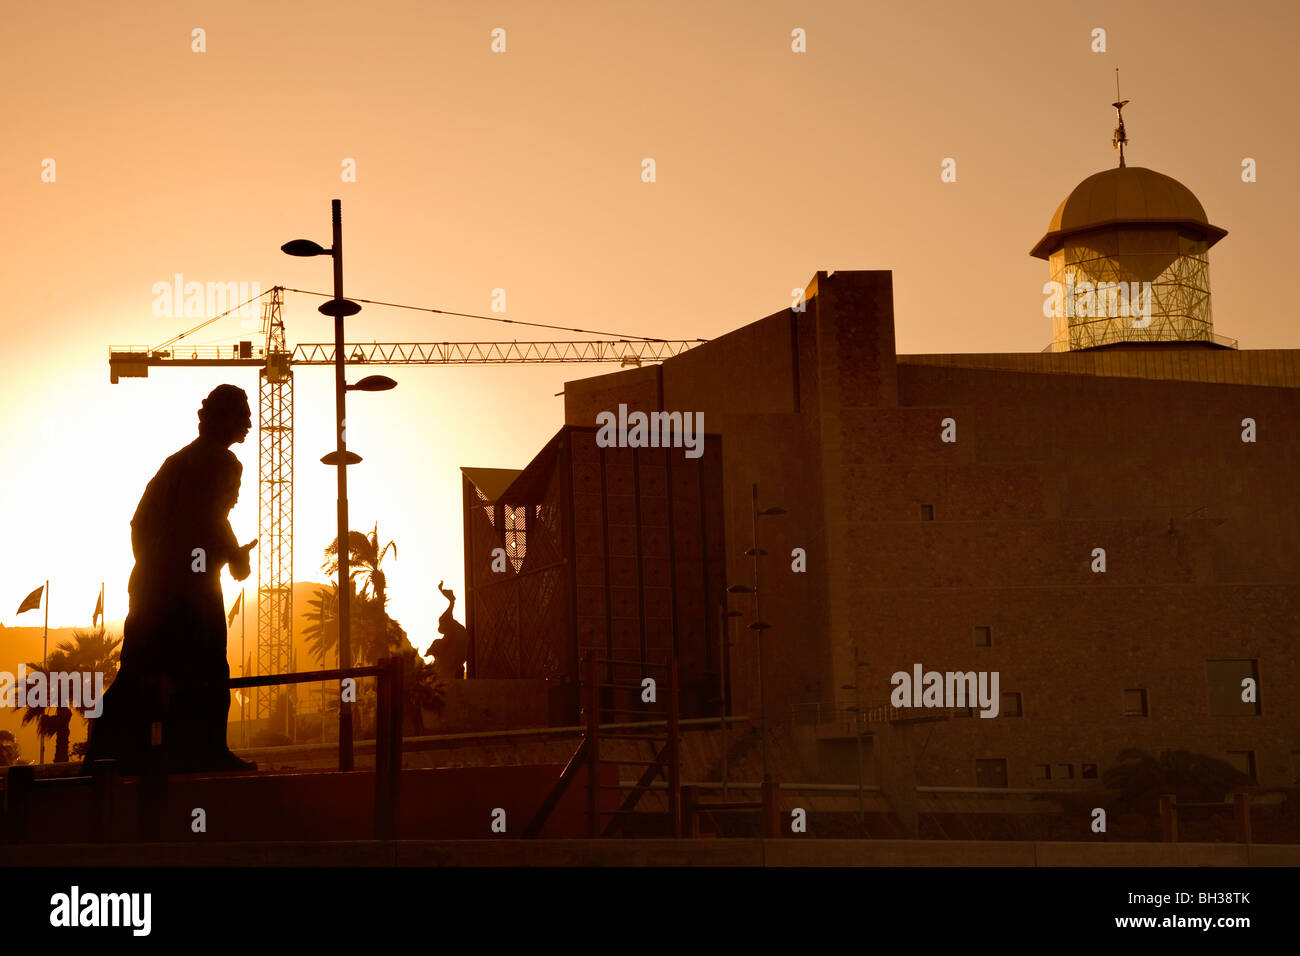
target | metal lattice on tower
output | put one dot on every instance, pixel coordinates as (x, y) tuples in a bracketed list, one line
[(1157, 290), (1128, 253), (275, 508)]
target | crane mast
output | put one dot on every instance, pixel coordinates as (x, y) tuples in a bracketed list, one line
[(275, 510)]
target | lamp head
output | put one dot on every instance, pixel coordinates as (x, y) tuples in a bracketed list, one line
[(304, 248), (373, 383)]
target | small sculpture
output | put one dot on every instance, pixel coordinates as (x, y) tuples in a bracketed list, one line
[(449, 651)]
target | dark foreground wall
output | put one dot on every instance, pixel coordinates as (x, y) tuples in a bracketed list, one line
[(507, 852), (447, 804)]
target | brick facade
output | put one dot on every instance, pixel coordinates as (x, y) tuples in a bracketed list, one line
[(1135, 450)]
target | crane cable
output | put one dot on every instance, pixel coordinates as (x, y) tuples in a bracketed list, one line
[(493, 318), (206, 322)]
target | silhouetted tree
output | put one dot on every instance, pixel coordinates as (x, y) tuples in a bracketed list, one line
[(371, 631), (364, 558), (1141, 778), (88, 652), (53, 722), (10, 752), (94, 651), (374, 635)]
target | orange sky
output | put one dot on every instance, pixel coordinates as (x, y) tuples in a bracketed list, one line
[(522, 171)]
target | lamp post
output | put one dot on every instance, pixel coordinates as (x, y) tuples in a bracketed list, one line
[(856, 709), (758, 624), (724, 642), (339, 309)]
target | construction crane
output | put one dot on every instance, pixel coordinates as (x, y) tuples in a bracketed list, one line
[(275, 360)]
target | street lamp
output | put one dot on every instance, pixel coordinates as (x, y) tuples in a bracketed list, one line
[(339, 309), (724, 639), (856, 711), (758, 624), (372, 383)]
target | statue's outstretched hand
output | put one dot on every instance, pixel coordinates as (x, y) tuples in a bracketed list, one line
[(239, 564)]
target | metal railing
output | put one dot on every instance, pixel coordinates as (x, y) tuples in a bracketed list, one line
[(182, 353), (873, 712), (1138, 337), (388, 729)]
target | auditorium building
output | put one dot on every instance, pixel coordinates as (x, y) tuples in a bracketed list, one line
[(1110, 525)]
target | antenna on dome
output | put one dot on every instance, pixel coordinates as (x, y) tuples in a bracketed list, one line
[(1120, 136)]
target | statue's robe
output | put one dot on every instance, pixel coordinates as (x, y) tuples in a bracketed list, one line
[(173, 666)]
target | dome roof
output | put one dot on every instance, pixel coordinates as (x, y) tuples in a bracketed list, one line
[(1126, 195)]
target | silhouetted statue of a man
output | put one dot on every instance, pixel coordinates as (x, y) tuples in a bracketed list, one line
[(451, 649), (172, 689)]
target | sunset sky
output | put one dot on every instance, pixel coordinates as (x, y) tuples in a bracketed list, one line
[(522, 170)]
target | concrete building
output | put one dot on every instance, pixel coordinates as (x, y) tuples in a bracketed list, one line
[(1109, 526)]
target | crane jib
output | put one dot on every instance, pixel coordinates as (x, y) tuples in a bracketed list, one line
[(135, 362)]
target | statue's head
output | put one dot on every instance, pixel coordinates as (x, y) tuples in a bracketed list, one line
[(225, 415)]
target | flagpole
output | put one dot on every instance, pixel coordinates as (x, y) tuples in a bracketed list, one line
[(243, 702), (45, 661)]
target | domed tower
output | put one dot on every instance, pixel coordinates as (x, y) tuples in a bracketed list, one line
[(1128, 254)]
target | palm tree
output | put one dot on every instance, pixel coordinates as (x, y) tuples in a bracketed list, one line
[(372, 631), (92, 652), (364, 558), (322, 630), (10, 753), (53, 722), (374, 634), (88, 652)]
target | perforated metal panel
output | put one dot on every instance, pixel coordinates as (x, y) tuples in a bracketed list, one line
[(617, 550)]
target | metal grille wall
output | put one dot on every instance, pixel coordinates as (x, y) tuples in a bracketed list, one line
[(617, 550)]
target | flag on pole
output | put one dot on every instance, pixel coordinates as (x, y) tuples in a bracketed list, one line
[(230, 619), (99, 610), (32, 601)]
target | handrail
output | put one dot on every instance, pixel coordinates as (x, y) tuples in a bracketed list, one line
[(306, 677), (388, 728)]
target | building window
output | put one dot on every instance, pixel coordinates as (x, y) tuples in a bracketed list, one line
[(1065, 771), (1088, 771), (991, 772), (1243, 760), (1135, 702), (983, 636), (1011, 705), (1042, 771), (927, 512), (1226, 690)]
